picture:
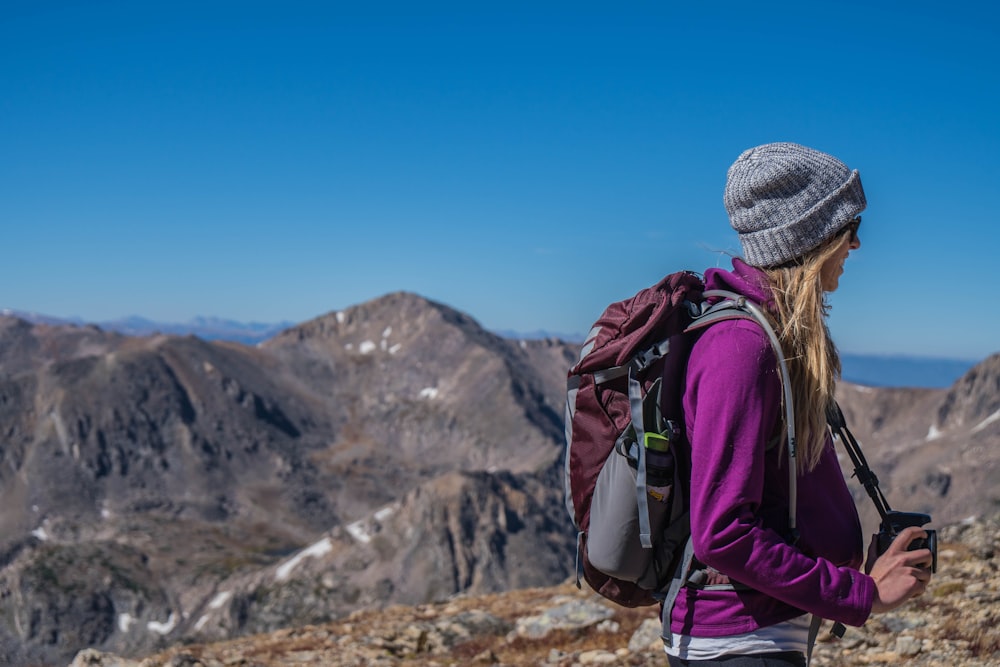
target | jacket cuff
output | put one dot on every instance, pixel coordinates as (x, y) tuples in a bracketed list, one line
[(862, 599)]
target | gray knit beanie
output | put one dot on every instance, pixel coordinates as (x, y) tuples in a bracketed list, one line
[(784, 200)]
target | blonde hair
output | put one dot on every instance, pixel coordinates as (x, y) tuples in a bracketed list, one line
[(813, 362)]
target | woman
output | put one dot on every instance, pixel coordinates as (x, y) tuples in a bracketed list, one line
[(796, 212)]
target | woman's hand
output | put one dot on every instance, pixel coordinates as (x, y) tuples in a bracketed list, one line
[(899, 574)]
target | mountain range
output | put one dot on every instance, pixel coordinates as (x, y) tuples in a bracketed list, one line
[(207, 328), (161, 488), (866, 369)]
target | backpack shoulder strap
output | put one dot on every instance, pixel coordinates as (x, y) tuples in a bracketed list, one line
[(718, 311)]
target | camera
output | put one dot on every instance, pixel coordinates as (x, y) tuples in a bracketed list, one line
[(894, 522)]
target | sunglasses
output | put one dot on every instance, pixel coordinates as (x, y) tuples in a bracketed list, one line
[(853, 226)]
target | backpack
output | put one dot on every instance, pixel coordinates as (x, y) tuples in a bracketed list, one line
[(627, 467)]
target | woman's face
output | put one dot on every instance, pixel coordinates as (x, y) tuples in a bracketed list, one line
[(832, 269)]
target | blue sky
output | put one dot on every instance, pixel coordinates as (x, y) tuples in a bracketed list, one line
[(525, 162)]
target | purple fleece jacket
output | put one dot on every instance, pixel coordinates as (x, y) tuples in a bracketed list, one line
[(739, 491)]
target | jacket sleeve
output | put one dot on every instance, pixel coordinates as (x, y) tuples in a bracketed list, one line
[(733, 406)]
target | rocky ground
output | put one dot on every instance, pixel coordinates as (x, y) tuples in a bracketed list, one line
[(956, 623)]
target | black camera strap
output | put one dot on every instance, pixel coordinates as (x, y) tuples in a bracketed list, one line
[(838, 425), (891, 520), (865, 475)]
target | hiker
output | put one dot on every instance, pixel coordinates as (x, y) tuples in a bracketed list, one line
[(797, 213)]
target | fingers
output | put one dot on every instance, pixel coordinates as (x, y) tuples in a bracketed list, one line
[(907, 535), (921, 575), (902, 545), (922, 578), (922, 558)]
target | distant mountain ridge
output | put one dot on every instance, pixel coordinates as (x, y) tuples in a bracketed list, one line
[(866, 369), (206, 327)]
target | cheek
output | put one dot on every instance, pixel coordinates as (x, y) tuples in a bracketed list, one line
[(830, 273)]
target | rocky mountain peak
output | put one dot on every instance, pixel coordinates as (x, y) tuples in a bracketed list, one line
[(388, 324), (974, 401), (25, 346)]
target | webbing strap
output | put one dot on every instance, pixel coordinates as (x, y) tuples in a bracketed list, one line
[(640, 362), (638, 425), (579, 560), (813, 633), (608, 374), (679, 580)]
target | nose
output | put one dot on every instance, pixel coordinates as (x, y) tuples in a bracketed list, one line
[(855, 241)]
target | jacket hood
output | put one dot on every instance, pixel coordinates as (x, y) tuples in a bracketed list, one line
[(745, 280)]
